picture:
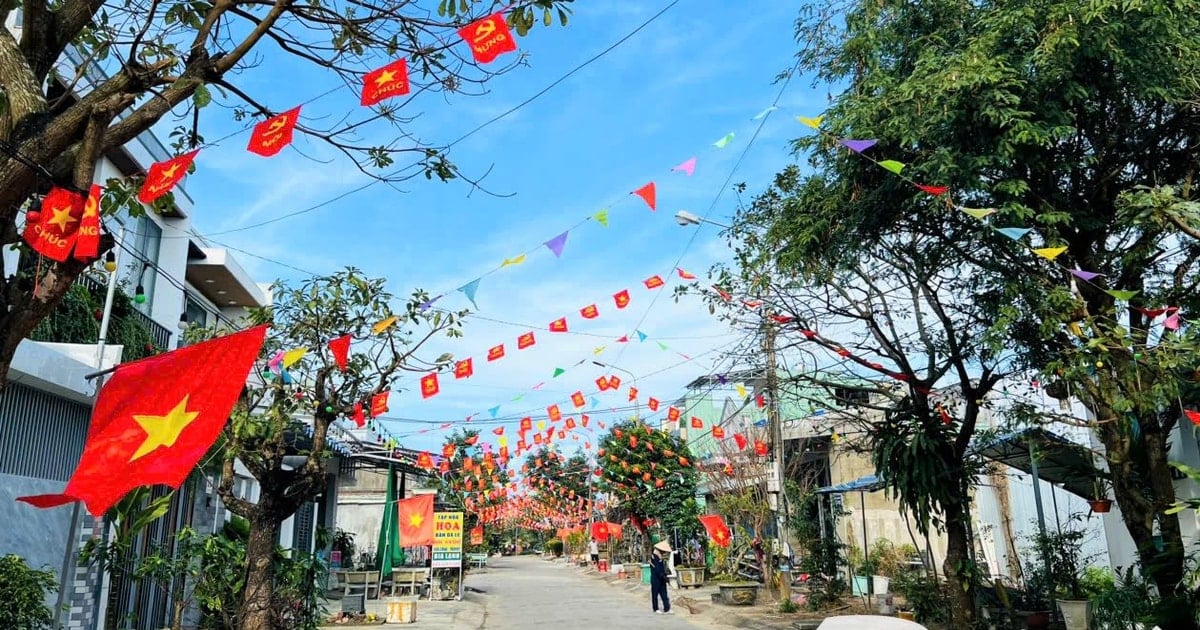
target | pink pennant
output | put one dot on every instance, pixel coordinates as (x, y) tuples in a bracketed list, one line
[(688, 166), (1172, 320)]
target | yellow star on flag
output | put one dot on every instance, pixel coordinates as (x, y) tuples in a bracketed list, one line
[(163, 430), (385, 78), (169, 172), (62, 216), (415, 520)]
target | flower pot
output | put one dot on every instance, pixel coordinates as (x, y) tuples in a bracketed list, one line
[(1077, 614), (859, 585), (1101, 506), (738, 594), (880, 584), (690, 576)]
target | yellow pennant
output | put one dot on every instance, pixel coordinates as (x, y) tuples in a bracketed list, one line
[(503, 441), (741, 390), (292, 356), (1050, 253), (384, 325), (979, 213), (815, 123), (541, 425), (599, 349), (1074, 328), (513, 261)]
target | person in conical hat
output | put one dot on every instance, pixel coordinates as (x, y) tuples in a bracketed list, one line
[(658, 578)]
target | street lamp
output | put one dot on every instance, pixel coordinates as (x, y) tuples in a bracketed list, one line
[(685, 218)]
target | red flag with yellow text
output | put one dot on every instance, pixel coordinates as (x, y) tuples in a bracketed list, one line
[(52, 232), (156, 417), (489, 38), (386, 82), (163, 176), (271, 135), (87, 239)]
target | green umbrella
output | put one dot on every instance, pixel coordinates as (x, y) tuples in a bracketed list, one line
[(390, 554)]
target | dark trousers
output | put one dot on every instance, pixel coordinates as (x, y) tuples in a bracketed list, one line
[(658, 589)]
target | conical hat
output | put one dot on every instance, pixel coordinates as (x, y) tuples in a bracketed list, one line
[(662, 546)]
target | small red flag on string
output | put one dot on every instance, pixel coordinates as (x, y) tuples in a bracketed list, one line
[(496, 352), (782, 319), (760, 401), (386, 82), (718, 433), (578, 400), (647, 194), (526, 340), (559, 325), (464, 368), (653, 282), (652, 404), (697, 423), (685, 275), (614, 382), (602, 383), (271, 135), (589, 312), (633, 394), (554, 413), (489, 38), (621, 298), (429, 385), (379, 403), (340, 349), (672, 414), (163, 176), (760, 448), (526, 424), (360, 417), (933, 190), (87, 239), (498, 430), (740, 440)]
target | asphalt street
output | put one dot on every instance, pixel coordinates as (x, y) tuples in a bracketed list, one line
[(525, 592)]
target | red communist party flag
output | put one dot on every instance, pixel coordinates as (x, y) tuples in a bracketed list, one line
[(489, 38), (379, 404), (589, 312), (87, 239), (416, 520), (52, 232), (464, 368), (716, 528), (559, 325), (386, 82), (340, 349), (495, 353), (163, 176), (271, 135), (578, 400), (156, 417), (526, 340), (697, 423), (429, 385), (653, 282), (718, 433)]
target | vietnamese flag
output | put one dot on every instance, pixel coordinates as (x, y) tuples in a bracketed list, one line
[(386, 82), (653, 282), (340, 349), (526, 340), (429, 386), (464, 368), (163, 176), (621, 298), (718, 433), (697, 423), (489, 38), (53, 231), (271, 135), (496, 352), (379, 402), (416, 520), (156, 417), (578, 400), (559, 325), (87, 239), (589, 312), (717, 530), (652, 404)]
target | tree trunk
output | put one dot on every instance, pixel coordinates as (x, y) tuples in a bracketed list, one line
[(957, 567), (260, 557)]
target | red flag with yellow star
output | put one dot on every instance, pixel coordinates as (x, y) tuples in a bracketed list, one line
[(416, 520), (386, 82), (52, 232), (163, 176), (589, 312), (717, 530), (621, 298), (429, 385), (271, 135), (578, 400), (87, 239), (155, 419)]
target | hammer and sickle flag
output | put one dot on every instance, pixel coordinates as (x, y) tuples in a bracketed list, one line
[(464, 368), (156, 417), (271, 135), (489, 38), (386, 82), (163, 176), (429, 385)]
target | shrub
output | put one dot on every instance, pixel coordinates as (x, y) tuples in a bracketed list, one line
[(555, 547), (23, 592)]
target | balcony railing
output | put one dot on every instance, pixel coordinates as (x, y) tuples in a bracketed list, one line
[(159, 333)]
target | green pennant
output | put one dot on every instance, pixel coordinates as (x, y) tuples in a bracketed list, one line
[(558, 372), (662, 346), (601, 217), (1121, 295), (893, 166)]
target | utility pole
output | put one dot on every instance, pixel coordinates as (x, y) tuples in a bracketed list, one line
[(775, 426)]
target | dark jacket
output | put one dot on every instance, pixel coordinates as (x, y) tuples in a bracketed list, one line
[(658, 569)]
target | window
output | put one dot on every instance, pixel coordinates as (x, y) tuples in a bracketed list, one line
[(851, 397), (146, 241)]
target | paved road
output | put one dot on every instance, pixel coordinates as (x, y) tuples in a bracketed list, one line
[(527, 592)]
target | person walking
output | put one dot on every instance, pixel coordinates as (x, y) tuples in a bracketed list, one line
[(594, 552), (659, 577)]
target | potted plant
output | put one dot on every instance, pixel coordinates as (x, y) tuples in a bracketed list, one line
[(1062, 561), (1100, 503), (691, 573), (863, 573)]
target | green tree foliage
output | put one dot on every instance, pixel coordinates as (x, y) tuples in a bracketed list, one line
[(23, 592), (81, 78), (649, 475), (560, 483), (474, 480), (1077, 120)]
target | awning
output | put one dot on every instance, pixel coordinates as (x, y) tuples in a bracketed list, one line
[(1059, 460), (863, 484)]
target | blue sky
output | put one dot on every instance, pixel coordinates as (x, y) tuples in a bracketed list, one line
[(702, 70)]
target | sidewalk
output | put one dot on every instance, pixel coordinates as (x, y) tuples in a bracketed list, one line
[(468, 613)]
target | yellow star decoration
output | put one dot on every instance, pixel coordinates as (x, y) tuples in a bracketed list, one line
[(170, 171), (385, 78), (62, 216), (163, 430), (415, 520)]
